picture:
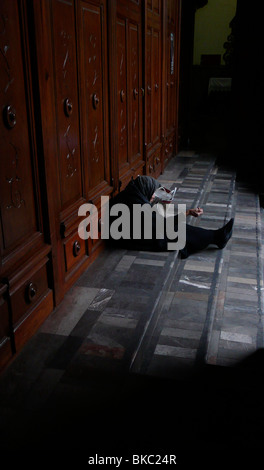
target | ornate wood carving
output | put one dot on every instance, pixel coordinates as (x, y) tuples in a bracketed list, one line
[(122, 93), (67, 115), (93, 88), (16, 199), (22, 246)]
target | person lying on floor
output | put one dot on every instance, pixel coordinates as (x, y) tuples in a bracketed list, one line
[(142, 191)]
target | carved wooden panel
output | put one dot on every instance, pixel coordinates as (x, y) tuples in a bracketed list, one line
[(121, 32), (153, 87), (169, 83), (157, 7), (135, 92), (129, 89), (21, 197), (149, 4), (148, 86), (154, 6), (19, 214), (128, 7), (66, 96), (171, 11), (156, 85), (93, 91)]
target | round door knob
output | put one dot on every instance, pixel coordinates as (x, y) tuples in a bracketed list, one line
[(95, 101), (9, 114), (135, 93), (122, 95), (156, 87), (31, 291), (76, 248), (149, 89), (68, 107)]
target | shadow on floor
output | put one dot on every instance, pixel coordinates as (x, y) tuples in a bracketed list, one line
[(212, 408)]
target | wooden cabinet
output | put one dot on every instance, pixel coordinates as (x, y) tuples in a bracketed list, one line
[(88, 93), (127, 88), (23, 235), (171, 10), (93, 95), (162, 35), (153, 87), (78, 153)]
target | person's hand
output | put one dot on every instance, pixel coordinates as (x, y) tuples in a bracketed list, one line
[(195, 212)]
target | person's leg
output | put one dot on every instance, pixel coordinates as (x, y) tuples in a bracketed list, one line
[(198, 238)]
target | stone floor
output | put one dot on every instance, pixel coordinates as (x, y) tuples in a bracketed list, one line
[(149, 351)]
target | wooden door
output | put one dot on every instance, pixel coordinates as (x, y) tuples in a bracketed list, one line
[(93, 88), (135, 92), (148, 87), (24, 260), (69, 192), (156, 85), (129, 89), (122, 97), (75, 101), (171, 77), (153, 86), (93, 93)]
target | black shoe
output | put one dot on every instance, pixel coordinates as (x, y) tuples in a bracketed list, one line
[(224, 234), (184, 253)]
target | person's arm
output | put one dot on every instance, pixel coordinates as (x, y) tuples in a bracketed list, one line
[(194, 212)]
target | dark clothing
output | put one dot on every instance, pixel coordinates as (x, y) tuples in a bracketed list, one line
[(146, 185), (133, 194), (198, 239), (140, 191)]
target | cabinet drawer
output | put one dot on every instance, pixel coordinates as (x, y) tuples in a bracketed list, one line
[(27, 292), (74, 250)]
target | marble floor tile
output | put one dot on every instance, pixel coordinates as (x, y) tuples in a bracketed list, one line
[(180, 333), (118, 320), (237, 337), (198, 267), (68, 313), (164, 350), (149, 262), (125, 263), (192, 296)]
